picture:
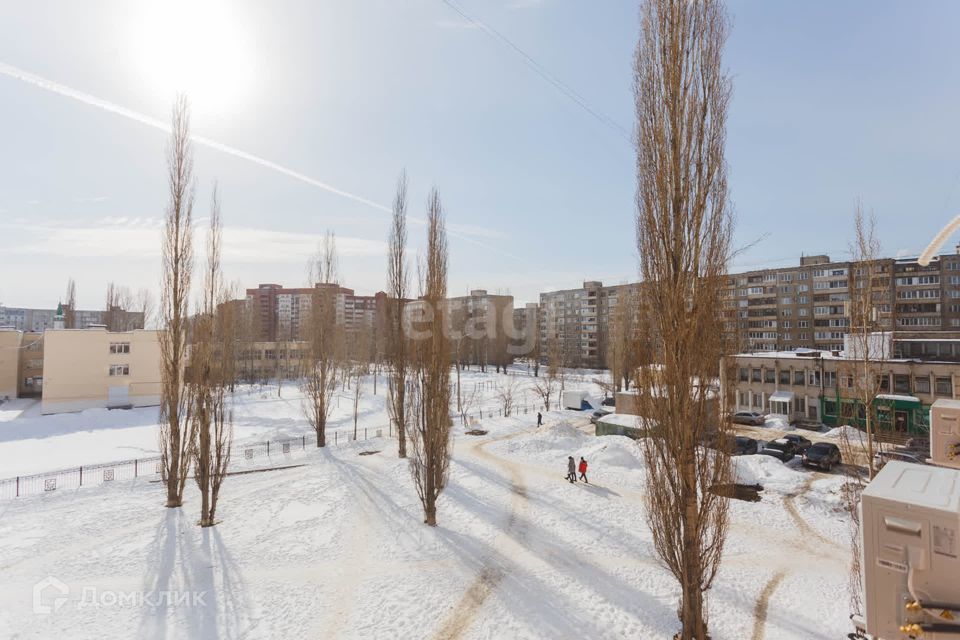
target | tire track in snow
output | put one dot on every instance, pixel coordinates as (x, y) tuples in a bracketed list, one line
[(800, 521), (492, 574), (763, 604)]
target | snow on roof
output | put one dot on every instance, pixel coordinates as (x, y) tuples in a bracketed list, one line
[(621, 419), (897, 397)]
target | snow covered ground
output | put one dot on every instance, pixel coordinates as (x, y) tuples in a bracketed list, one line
[(336, 548)]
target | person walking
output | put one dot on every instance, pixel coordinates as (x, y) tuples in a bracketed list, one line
[(583, 470), (539, 419), (571, 470)]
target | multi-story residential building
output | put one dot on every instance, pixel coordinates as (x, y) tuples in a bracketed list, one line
[(26, 319), (819, 386), (280, 313), (89, 368), (482, 330), (808, 306), (575, 323)]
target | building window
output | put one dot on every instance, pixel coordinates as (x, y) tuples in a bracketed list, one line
[(768, 376), (921, 384), (119, 347), (883, 383), (829, 407), (829, 379), (744, 374), (785, 377), (755, 375), (119, 370), (798, 378), (901, 383), (945, 387)]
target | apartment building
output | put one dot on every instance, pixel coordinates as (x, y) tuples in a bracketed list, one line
[(807, 306), (576, 322), (38, 320), (481, 328), (818, 386), (280, 313), (10, 342), (90, 368)]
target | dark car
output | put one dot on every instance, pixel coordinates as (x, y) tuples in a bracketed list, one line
[(609, 402), (744, 446), (749, 417), (823, 455), (596, 415), (883, 457), (800, 444), (780, 449)]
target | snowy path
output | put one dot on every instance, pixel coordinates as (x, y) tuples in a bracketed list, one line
[(337, 549)]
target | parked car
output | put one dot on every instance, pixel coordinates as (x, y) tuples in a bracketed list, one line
[(780, 449), (823, 455), (599, 413), (883, 457), (744, 446), (800, 444), (749, 417)]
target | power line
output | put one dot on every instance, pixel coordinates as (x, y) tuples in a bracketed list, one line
[(544, 73)]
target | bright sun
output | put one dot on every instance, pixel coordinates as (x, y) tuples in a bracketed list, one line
[(196, 47)]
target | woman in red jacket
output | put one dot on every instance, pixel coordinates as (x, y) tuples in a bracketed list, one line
[(583, 470)]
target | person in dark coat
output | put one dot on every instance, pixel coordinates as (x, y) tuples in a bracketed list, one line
[(571, 470), (539, 419), (583, 470)]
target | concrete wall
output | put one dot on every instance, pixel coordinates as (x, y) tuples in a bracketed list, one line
[(77, 366)]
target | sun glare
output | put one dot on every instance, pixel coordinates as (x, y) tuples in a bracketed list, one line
[(197, 48)]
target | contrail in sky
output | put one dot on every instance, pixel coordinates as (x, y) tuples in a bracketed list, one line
[(86, 98)]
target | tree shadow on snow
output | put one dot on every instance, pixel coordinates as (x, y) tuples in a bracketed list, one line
[(599, 582), (192, 587)]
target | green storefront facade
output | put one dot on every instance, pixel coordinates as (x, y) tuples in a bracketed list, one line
[(898, 414)]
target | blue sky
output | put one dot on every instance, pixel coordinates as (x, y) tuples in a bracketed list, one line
[(832, 101)]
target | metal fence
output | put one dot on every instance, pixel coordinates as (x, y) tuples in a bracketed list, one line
[(243, 456)]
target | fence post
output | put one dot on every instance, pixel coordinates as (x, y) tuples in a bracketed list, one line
[(304, 448), (335, 434), (135, 467), (18, 487), (268, 448), (81, 475)]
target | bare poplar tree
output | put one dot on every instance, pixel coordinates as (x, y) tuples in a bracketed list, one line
[(864, 374), (145, 305), (176, 435), (683, 227), (70, 316), (207, 382), (397, 291), (324, 343), (430, 425)]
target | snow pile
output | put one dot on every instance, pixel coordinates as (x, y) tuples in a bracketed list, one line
[(558, 436), (846, 432), (779, 423), (768, 472), (612, 451)]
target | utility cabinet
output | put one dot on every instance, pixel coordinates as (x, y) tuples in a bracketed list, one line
[(911, 552)]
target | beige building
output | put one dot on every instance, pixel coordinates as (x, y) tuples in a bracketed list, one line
[(10, 340), (30, 382), (90, 368), (818, 386)]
